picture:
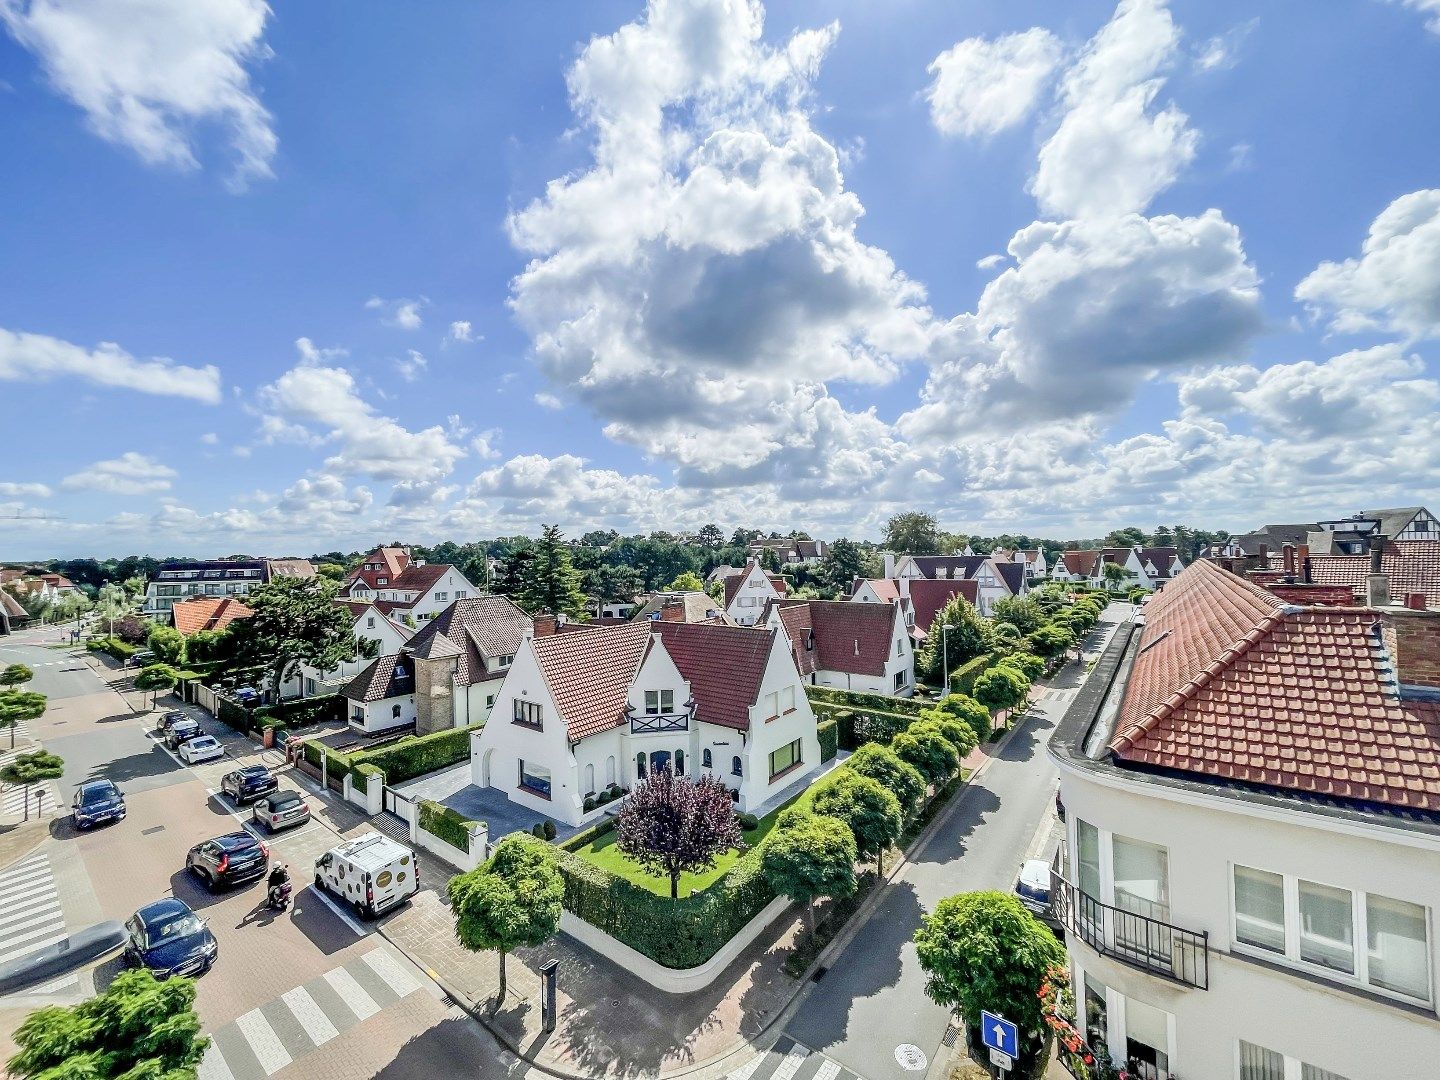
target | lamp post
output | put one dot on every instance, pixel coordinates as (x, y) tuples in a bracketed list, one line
[(945, 658)]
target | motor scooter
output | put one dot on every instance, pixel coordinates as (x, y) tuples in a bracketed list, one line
[(278, 898)]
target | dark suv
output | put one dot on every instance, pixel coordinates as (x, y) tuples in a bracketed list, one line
[(182, 731), (228, 860), (96, 802), (248, 784)]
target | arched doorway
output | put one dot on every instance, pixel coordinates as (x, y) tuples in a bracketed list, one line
[(659, 759)]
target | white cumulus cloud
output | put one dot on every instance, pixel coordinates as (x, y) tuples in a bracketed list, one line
[(403, 314), (37, 357), (28, 490), (131, 473), (983, 86)]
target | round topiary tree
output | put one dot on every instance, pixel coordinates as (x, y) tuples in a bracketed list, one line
[(871, 813), (158, 679), (930, 753), (970, 713), (18, 706), (955, 732), (1001, 688), (812, 860), (32, 768), (881, 764)]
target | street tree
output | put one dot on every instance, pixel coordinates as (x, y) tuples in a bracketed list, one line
[(296, 621), (982, 951), (1023, 612), (871, 813), (1001, 688), (1005, 637), (511, 899), (881, 764), (18, 707), (167, 643), (844, 561), (33, 768), (967, 638), (673, 825), (953, 730), (970, 713), (138, 1028), (550, 581), (931, 754), (689, 581), (912, 533), (15, 675), (1051, 640), (158, 679), (814, 859), (113, 603)]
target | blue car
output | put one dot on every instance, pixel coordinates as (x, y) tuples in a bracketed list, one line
[(96, 802), (170, 939)]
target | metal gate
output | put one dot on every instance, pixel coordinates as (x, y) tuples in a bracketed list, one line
[(400, 805)]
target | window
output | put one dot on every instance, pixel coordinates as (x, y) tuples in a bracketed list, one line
[(535, 778), (659, 701), (900, 679), (528, 714), (1097, 1017), (772, 706), (787, 700), (589, 779), (679, 762), (640, 766), (489, 701), (610, 770), (504, 661), (441, 597), (899, 648), (382, 581), (394, 712), (1258, 1063), (370, 622), (1317, 926), (1087, 839), (787, 757), (707, 760), (735, 767), (460, 594)]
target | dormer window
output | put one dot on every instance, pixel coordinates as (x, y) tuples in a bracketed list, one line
[(382, 581), (659, 701), (504, 661)]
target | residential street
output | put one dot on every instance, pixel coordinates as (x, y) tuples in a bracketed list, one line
[(872, 999)]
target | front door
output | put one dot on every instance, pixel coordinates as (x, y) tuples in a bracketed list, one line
[(659, 759)]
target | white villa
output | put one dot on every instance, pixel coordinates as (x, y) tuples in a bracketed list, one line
[(583, 708), (408, 591), (747, 593), (853, 646)]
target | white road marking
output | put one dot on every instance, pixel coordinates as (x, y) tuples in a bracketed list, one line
[(787, 1068), (748, 1069), (828, 1070), (213, 1067), (391, 972), (42, 912), (312, 1018), (263, 1041), (42, 941), (352, 993)]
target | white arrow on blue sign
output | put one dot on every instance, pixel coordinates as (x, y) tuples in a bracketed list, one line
[(999, 1034)]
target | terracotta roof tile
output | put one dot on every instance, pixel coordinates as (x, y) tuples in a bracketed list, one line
[(928, 597), (208, 613), (476, 627), (724, 665), (848, 636), (589, 673)]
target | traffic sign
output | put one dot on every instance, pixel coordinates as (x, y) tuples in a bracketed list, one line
[(1003, 1062), (999, 1034)]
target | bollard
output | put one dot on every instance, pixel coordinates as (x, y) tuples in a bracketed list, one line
[(547, 994)]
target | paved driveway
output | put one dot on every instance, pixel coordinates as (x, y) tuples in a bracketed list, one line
[(451, 787)]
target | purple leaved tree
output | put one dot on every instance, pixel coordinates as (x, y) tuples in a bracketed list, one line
[(673, 825)]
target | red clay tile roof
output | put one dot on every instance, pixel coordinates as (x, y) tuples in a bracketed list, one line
[(393, 560), (928, 597), (589, 674), (208, 613), (885, 588), (734, 581), (1080, 562), (725, 666), (11, 607), (1411, 566), (1230, 683), (848, 636), (385, 677)]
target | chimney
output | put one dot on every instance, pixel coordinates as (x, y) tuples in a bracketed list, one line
[(1413, 639), (1262, 552), (1415, 601), (1289, 550), (545, 625), (1302, 556), (1378, 584), (672, 611)]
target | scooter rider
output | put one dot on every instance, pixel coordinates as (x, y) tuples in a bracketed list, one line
[(279, 877)]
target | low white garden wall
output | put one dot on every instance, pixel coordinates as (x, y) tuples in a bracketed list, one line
[(462, 860), (671, 980)]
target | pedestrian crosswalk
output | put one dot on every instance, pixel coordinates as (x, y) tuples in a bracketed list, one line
[(14, 797), (790, 1060), (30, 913), (268, 1039)]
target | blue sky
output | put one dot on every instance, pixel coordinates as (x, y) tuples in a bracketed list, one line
[(447, 271)]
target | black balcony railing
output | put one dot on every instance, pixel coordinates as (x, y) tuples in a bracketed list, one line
[(653, 723), (1141, 940)]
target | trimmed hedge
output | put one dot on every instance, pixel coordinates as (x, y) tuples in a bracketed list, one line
[(299, 712), (853, 699), (962, 679), (828, 733), (113, 646), (587, 836), (370, 773), (445, 823), (234, 715), (855, 727), (337, 765), (409, 758)]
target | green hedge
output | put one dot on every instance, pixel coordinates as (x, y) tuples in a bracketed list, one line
[(855, 727), (445, 823), (371, 774), (299, 712), (829, 736), (853, 699), (337, 765), (587, 836), (234, 715), (962, 679), (120, 650), (409, 758), (674, 933)]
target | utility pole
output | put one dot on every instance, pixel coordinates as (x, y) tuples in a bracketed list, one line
[(945, 658)]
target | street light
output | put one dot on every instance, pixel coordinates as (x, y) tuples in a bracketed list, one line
[(945, 658)]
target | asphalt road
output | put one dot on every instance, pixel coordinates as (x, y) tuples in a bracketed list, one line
[(872, 1000)]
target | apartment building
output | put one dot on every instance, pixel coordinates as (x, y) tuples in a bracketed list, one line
[(176, 581)]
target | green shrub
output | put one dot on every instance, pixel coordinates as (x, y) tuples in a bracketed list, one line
[(853, 699), (549, 829), (538, 830), (962, 679), (590, 835), (234, 715), (301, 712), (589, 803), (445, 823), (372, 775), (336, 765), (412, 757), (829, 735), (748, 822)]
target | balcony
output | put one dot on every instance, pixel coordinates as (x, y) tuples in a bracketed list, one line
[(658, 723), (1140, 940)]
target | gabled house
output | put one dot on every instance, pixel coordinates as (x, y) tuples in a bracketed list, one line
[(13, 615), (368, 623), (587, 707), (416, 595), (791, 552), (686, 607), (1158, 565), (208, 613), (378, 569), (1037, 568), (1079, 566), (853, 646), (381, 698), (461, 658), (747, 593), (995, 579), (919, 599), (1406, 523)]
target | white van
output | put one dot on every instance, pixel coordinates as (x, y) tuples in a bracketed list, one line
[(372, 873)]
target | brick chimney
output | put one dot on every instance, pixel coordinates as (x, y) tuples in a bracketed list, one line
[(1378, 584), (1302, 558), (1289, 552), (545, 625), (672, 611), (1413, 640)]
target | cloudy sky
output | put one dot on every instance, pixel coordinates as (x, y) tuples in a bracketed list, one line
[(283, 281)]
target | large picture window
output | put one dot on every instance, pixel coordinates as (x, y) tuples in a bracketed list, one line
[(528, 713), (1318, 926), (787, 757), (535, 778)]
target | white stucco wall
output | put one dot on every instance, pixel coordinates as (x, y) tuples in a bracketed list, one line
[(379, 715), (1308, 1016), (768, 733), (749, 601)]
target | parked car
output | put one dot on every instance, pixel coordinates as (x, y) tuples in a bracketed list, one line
[(169, 720), (371, 873), (201, 748), (96, 802), (248, 696), (170, 939), (280, 811), (248, 783), (1033, 890), (141, 657), (231, 859), (182, 731)]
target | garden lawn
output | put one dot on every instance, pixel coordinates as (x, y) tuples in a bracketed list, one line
[(603, 853)]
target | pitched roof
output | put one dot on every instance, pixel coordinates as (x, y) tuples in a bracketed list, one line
[(589, 674), (885, 588), (932, 565), (208, 613), (1080, 562), (420, 578), (928, 597), (385, 677), (12, 607), (392, 560), (724, 665), (848, 636), (300, 568), (359, 607), (1013, 575), (698, 607), (1393, 520), (734, 581), (476, 627), (1411, 565), (1231, 683)]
